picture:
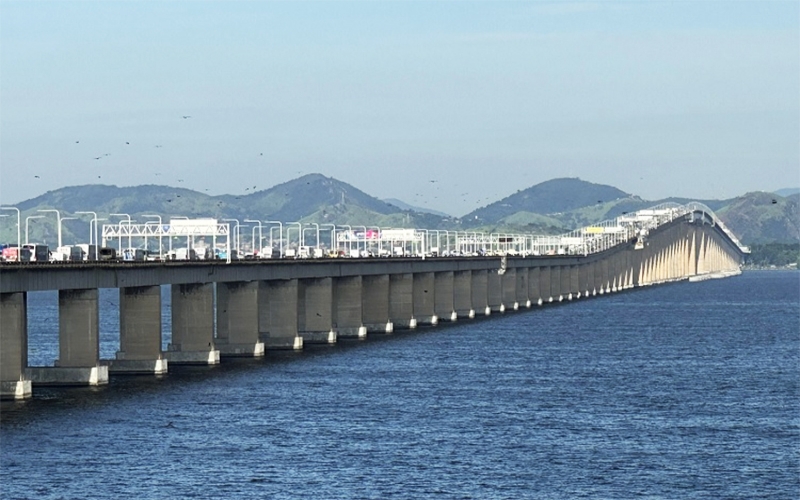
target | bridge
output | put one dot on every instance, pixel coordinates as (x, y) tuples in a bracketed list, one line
[(236, 308)]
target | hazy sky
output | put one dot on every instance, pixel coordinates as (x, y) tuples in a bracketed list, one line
[(695, 99)]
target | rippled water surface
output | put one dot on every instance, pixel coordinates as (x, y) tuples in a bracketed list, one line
[(688, 390)]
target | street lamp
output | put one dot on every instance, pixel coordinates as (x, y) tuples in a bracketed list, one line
[(299, 233), (317, 226), (333, 235), (260, 237), (160, 231), (27, 220), (120, 230), (235, 233), (19, 239), (58, 219), (280, 235), (92, 235)]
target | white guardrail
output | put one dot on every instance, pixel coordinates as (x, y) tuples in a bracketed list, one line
[(386, 242)]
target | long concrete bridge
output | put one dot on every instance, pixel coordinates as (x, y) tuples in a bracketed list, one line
[(244, 308)]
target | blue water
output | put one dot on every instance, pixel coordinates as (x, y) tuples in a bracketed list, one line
[(688, 390)]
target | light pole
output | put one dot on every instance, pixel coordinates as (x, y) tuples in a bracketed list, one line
[(19, 239), (349, 235), (58, 221), (92, 235), (260, 237), (160, 231), (235, 233), (317, 226), (333, 235), (120, 229), (299, 233), (280, 235), (27, 220)]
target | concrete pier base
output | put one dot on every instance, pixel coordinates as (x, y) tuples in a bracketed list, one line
[(136, 366), (282, 343), (328, 337), (20, 389), (67, 376), (359, 332), (210, 357), (233, 350), (387, 327), (427, 320)]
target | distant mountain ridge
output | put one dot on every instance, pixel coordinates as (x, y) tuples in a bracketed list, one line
[(551, 207)]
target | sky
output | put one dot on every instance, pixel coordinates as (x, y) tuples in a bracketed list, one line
[(692, 99)]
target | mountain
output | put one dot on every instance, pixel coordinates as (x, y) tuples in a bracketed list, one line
[(787, 191), (761, 217), (552, 197), (552, 207), (405, 206)]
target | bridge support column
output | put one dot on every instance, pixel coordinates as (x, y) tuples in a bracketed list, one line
[(545, 283), (278, 324), (347, 308), (193, 325), (494, 291), (315, 311), (508, 282), (480, 292), (78, 343), (583, 280), (444, 296), (139, 332), (555, 283), (14, 341), (574, 283), (237, 319), (564, 279), (401, 300), (375, 304), (462, 294), (424, 290), (521, 287), (534, 285)]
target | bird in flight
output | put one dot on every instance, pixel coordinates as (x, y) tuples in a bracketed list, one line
[(77, 142), (36, 176), (97, 157), (126, 142), (185, 117), (158, 145)]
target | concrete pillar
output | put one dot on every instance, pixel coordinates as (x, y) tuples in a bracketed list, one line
[(14, 384), (494, 291), (605, 285), (583, 280), (546, 283), (347, 312), (558, 283), (444, 296), (534, 285), (139, 332), (375, 303), (193, 325), (521, 287), (462, 294), (78, 360), (281, 331), (237, 319), (401, 300), (424, 298), (315, 311), (480, 292), (508, 283), (574, 283), (597, 277)]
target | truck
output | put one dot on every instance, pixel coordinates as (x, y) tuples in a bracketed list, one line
[(133, 254), (39, 253), (67, 253), (89, 251), (16, 254)]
